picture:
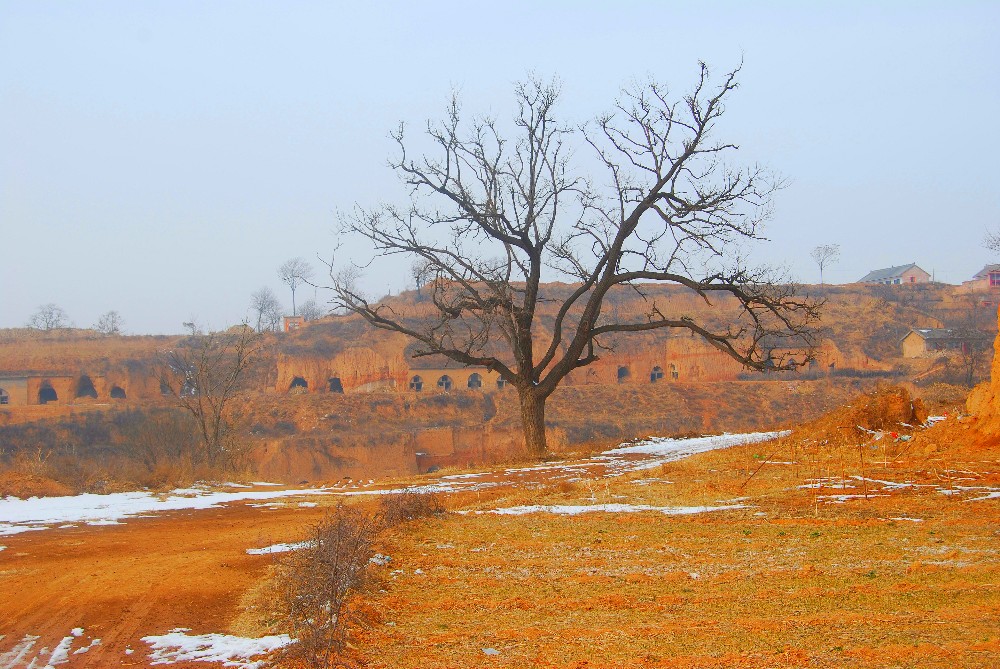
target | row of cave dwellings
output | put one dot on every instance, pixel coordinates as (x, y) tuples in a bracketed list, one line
[(445, 383)]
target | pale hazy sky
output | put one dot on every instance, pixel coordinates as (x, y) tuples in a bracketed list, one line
[(163, 158)]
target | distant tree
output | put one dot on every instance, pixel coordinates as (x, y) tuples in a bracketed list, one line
[(992, 241), (203, 375), (422, 273), (312, 311), (823, 255), (265, 310), (295, 272), (48, 317), (490, 213), (110, 323)]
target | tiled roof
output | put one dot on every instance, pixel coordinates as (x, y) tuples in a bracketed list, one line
[(949, 333), (887, 273), (985, 272)]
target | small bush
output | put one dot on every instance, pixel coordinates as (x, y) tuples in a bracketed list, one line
[(320, 587), (407, 506)]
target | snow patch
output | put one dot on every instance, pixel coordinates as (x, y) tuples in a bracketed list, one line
[(278, 548), (61, 653), (19, 653), (681, 448), (39, 513), (231, 651)]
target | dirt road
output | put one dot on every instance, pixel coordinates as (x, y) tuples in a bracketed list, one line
[(119, 583)]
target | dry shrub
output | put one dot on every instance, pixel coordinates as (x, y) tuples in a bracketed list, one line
[(320, 588), (407, 506)]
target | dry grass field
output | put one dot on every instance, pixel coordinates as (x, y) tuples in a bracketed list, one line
[(856, 541), (878, 551)]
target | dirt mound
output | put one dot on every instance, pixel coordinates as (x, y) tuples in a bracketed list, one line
[(17, 484), (886, 409)]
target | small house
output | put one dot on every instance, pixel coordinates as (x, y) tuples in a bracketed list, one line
[(895, 276), (988, 278), (293, 323), (920, 342)]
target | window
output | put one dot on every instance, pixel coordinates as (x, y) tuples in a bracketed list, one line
[(656, 374), (475, 381), (444, 383), (994, 279), (4, 397), (501, 383), (623, 374), (416, 384), (674, 374)]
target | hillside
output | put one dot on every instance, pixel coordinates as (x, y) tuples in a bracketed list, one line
[(301, 429)]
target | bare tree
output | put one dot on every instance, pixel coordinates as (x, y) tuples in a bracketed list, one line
[(422, 272), (265, 310), (203, 375), (823, 255), (295, 272), (992, 241), (311, 311), (48, 317), (489, 214), (110, 323)]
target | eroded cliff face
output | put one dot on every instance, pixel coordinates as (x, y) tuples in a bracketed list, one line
[(353, 370), (984, 400)]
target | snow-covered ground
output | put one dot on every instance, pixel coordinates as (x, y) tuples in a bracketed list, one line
[(231, 651), (24, 515), (40, 513)]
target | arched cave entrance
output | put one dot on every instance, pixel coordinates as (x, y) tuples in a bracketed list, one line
[(475, 381), (335, 385), (416, 384), (117, 393), (85, 388), (4, 397), (298, 385), (656, 374), (444, 383), (46, 393), (623, 374)]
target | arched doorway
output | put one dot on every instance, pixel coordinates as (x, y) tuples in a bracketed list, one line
[(656, 374), (444, 383), (85, 388), (298, 385), (117, 393), (46, 393), (335, 385), (416, 384), (475, 381)]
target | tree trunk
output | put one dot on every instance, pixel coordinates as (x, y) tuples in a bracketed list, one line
[(533, 421)]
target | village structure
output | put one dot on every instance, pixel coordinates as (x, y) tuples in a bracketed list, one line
[(895, 276), (676, 359)]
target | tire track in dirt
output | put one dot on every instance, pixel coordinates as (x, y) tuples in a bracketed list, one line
[(122, 582)]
